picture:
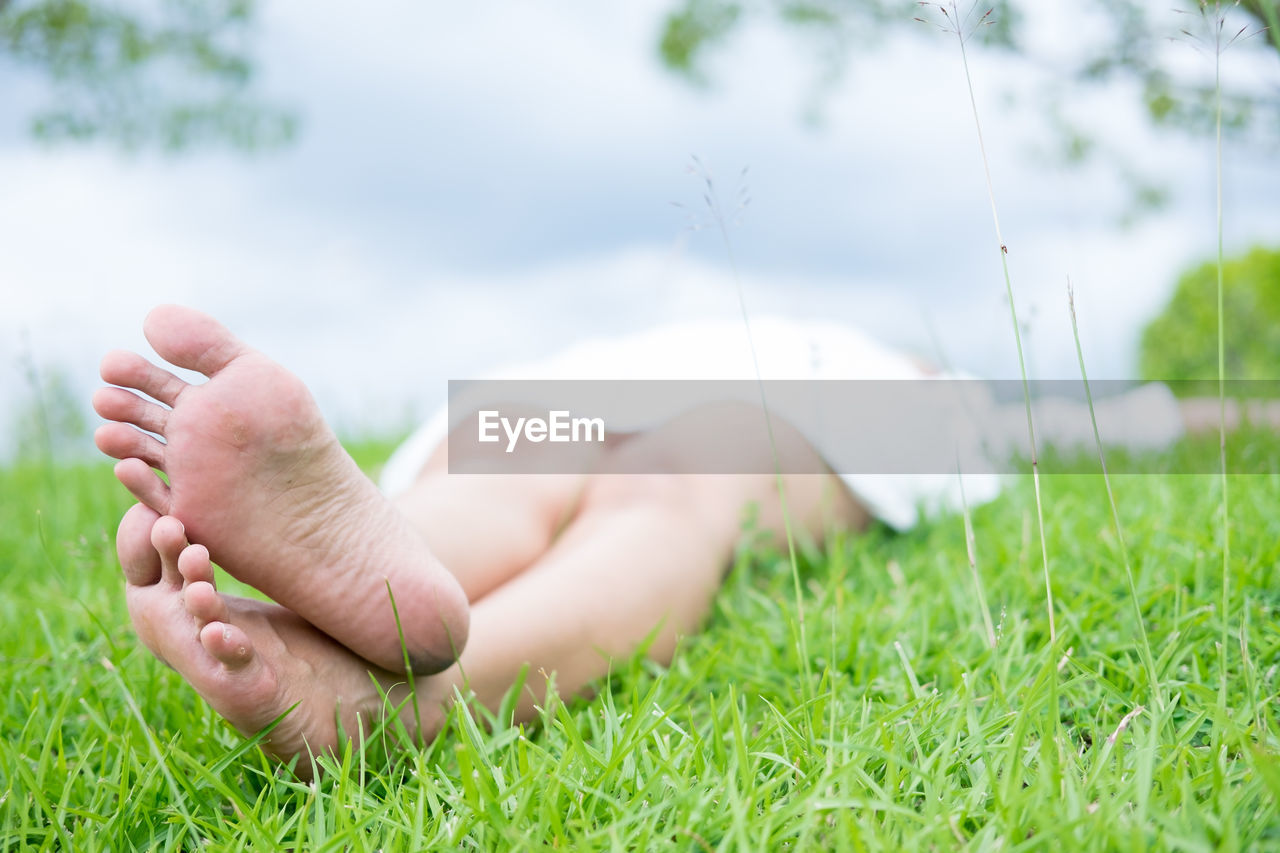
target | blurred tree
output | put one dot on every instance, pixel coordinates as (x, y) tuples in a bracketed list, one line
[(1182, 342), (1119, 41), (163, 73), (696, 26)]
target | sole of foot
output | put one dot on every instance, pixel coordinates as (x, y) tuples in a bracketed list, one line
[(253, 662), (256, 475)]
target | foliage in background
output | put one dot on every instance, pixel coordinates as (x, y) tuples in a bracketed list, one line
[(1180, 342), (163, 73), (1126, 44), (1128, 49)]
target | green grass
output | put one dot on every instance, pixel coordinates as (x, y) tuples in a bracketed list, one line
[(917, 734)]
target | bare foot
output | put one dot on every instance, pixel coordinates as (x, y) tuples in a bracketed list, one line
[(257, 476), (252, 661)]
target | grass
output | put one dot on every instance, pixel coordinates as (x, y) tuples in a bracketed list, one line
[(916, 732), (963, 26), (1144, 644), (902, 717), (721, 221)]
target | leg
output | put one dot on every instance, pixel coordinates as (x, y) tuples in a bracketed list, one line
[(642, 552), (488, 528), (640, 556)]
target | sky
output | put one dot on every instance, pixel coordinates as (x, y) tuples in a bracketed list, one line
[(477, 183)]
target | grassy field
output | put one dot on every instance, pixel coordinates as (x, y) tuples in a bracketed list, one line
[(911, 731)]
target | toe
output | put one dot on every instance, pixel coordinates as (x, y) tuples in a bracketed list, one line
[(191, 339), (194, 564), (204, 603), (131, 370), (117, 404), (138, 558), (122, 441), (169, 538), (229, 645), (144, 484)]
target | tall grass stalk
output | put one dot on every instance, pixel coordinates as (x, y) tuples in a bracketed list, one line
[(712, 199), (1148, 659), (960, 28), (1215, 18), (1219, 23)]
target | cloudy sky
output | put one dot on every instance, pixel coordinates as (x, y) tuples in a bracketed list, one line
[(477, 182)]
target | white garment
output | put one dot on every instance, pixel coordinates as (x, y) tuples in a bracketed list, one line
[(790, 350)]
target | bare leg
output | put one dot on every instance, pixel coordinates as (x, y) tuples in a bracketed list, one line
[(488, 528), (644, 553), (641, 553)]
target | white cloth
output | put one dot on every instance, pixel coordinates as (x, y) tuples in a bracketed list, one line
[(791, 350)]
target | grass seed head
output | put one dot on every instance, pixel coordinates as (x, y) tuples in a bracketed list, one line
[(962, 26)]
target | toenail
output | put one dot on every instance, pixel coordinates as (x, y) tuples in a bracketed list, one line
[(226, 633)]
